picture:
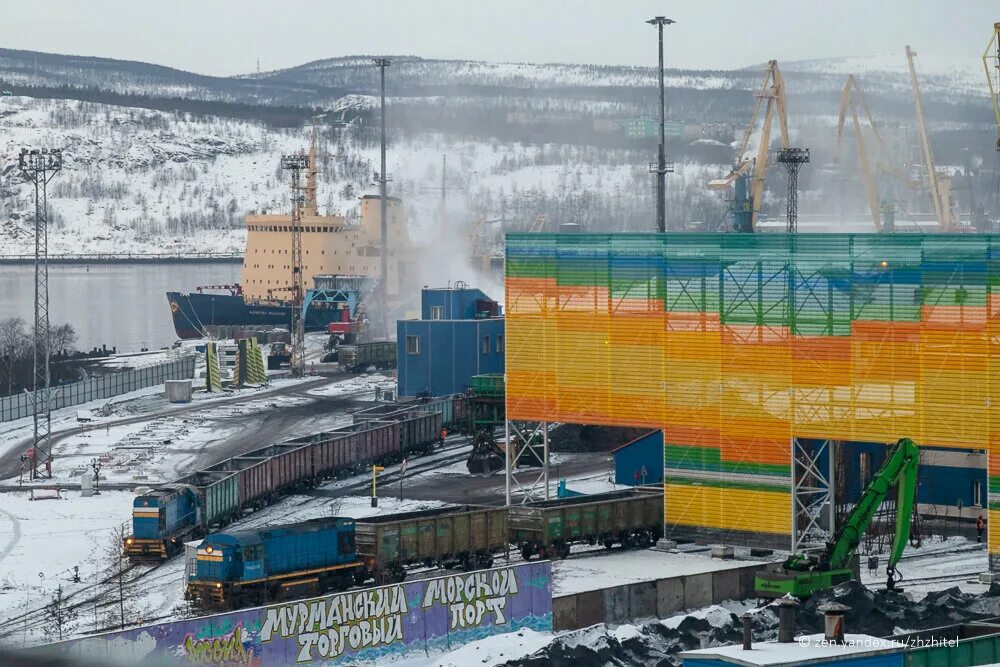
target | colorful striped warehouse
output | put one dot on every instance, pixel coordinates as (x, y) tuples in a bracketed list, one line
[(736, 344)]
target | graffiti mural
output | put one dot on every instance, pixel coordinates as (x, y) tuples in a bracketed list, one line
[(367, 625)]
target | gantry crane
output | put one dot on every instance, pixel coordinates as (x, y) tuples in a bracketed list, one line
[(991, 59), (746, 210), (940, 183), (851, 96)]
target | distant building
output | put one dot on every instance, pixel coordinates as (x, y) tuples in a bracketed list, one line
[(638, 128), (606, 125), (640, 461), (460, 333)]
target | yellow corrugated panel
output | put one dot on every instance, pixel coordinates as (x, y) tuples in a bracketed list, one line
[(728, 509)]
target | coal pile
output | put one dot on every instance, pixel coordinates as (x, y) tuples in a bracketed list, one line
[(658, 643), (580, 438)]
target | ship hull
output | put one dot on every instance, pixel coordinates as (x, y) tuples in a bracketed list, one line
[(196, 314)]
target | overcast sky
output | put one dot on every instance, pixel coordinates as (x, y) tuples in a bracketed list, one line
[(228, 36)]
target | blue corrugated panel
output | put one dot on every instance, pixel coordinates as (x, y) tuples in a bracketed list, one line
[(947, 476), (447, 354), (640, 461), (455, 304)]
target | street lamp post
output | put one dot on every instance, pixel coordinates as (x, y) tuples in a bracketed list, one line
[(661, 168)]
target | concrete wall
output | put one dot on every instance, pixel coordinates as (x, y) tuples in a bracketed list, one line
[(658, 598)]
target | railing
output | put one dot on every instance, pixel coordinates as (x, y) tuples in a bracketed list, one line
[(104, 386)]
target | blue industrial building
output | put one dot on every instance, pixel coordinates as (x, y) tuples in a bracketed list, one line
[(948, 477), (460, 334), (640, 461)]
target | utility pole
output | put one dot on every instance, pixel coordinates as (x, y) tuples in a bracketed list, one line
[(296, 164), (793, 159), (382, 179), (40, 166), (661, 168)]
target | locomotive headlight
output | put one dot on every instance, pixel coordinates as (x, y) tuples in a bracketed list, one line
[(208, 550), (218, 585), (128, 540)]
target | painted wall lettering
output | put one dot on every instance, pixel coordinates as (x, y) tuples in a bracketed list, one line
[(429, 615)]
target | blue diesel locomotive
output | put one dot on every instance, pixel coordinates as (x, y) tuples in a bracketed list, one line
[(172, 511), (285, 562), (194, 505)]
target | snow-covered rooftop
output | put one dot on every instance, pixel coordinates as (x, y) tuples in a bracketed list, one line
[(805, 650), (604, 569)]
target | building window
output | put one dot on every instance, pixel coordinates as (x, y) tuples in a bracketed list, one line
[(499, 343), (977, 493), (486, 344), (865, 468), (413, 344), (437, 312)]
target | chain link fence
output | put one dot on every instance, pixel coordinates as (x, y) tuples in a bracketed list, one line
[(104, 386)]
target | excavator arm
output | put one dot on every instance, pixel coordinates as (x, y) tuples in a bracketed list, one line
[(899, 469), (805, 574)]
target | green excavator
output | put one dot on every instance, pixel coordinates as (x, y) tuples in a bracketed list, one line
[(802, 575)]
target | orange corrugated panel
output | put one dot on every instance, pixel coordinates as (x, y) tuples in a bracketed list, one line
[(756, 441), (692, 434)]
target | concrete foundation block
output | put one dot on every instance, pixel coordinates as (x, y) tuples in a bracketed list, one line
[(564, 613), (642, 600), (726, 585), (663, 544), (697, 590), (616, 605), (669, 596), (589, 608), (723, 552), (748, 576)]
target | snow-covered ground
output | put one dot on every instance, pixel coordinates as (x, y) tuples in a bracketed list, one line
[(617, 567), (146, 451)]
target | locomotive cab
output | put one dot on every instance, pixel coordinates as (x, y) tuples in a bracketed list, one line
[(160, 520)]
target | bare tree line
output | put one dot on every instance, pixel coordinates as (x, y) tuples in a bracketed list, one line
[(17, 354)]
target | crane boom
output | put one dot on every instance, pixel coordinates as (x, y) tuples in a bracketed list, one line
[(993, 78), (866, 172), (940, 184), (772, 90)]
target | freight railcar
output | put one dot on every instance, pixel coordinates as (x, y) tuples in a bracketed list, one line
[(378, 353), (284, 562), (465, 536), (548, 528), (210, 498), (418, 430)]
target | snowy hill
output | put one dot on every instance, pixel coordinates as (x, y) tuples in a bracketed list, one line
[(166, 160)]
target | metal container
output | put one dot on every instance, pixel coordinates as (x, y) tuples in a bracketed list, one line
[(624, 517), (469, 535), (177, 391)]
